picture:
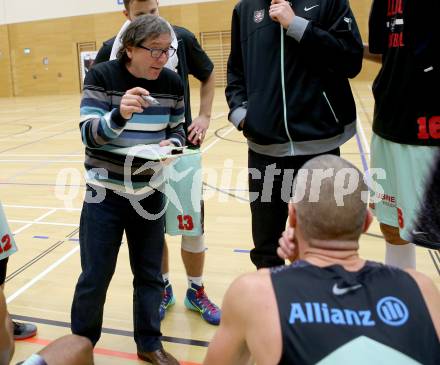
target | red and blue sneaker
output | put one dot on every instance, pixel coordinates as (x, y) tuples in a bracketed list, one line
[(197, 300), (168, 300)]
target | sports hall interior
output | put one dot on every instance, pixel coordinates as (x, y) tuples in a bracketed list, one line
[(42, 185)]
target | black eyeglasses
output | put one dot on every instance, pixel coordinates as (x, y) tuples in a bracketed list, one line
[(157, 52)]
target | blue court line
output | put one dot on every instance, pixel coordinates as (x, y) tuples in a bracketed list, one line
[(239, 250), (47, 237), (361, 150)]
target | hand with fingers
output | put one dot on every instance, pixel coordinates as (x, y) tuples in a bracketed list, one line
[(166, 161), (281, 11), (132, 102), (288, 249), (197, 129), (166, 142)]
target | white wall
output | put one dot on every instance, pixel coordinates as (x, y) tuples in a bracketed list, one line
[(17, 11), (2, 12)]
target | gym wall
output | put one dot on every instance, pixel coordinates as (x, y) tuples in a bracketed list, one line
[(5, 63), (41, 57)]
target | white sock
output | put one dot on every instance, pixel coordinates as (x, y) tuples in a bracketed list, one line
[(165, 277), (402, 256), (198, 280)]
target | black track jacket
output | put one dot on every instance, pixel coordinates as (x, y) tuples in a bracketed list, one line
[(322, 49)]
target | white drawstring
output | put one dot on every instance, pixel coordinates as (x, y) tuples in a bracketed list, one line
[(283, 86)]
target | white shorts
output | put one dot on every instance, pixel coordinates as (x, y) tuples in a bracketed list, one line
[(408, 199)]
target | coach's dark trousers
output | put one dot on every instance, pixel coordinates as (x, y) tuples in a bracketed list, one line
[(269, 202), (101, 228)]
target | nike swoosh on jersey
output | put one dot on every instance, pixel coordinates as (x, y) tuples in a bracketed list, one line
[(341, 291), (310, 8), (417, 232)]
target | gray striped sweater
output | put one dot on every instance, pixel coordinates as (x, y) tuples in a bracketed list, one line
[(103, 129)]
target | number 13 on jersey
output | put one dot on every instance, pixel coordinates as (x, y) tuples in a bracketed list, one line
[(185, 222)]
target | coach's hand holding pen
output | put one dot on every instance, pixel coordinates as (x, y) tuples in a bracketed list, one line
[(134, 100)]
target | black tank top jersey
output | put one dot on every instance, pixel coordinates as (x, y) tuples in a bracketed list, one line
[(406, 91), (340, 317)]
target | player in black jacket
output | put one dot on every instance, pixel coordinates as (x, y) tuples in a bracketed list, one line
[(288, 91), (191, 60)]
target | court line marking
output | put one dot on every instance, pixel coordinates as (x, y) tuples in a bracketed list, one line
[(374, 235), (39, 207), (44, 223), (362, 133), (213, 143), (38, 140), (241, 250), (366, 110), (363, 159), (218, 116), (34, 221), (434, 261), (41, 255), (44, 161), (34, 260), (40, 184), (41, 275), (226, 192), (111, 331), (50, 126), (27, 171), (41, 155), (104, 351)]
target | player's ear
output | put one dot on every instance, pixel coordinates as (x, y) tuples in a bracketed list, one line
[(292, 215), (367, 221), (129, 52)]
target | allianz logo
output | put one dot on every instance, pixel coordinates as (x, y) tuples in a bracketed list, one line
[(390, 310)]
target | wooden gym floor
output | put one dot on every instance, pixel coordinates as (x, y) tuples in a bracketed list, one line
[(41, 188)]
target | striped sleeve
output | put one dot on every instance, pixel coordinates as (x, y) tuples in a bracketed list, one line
[(99, 124), (175, 129)]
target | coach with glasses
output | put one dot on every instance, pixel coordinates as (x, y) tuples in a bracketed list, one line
[(113, 115)]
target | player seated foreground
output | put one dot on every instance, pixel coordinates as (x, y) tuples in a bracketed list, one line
[(330, 306)]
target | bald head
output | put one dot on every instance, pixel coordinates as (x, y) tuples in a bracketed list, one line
[(334, 204)]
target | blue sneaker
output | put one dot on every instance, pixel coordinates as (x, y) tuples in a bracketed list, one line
[(168, 300), (197, 300)]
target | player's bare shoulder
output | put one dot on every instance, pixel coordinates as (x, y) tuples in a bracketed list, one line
[(252, 288), (431, 295), (423, 281), (253, 280)]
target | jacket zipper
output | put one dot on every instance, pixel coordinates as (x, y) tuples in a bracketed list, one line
[(283, 85), (330, 106)]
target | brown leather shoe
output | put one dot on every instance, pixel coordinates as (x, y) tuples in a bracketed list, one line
[(158, 357)]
